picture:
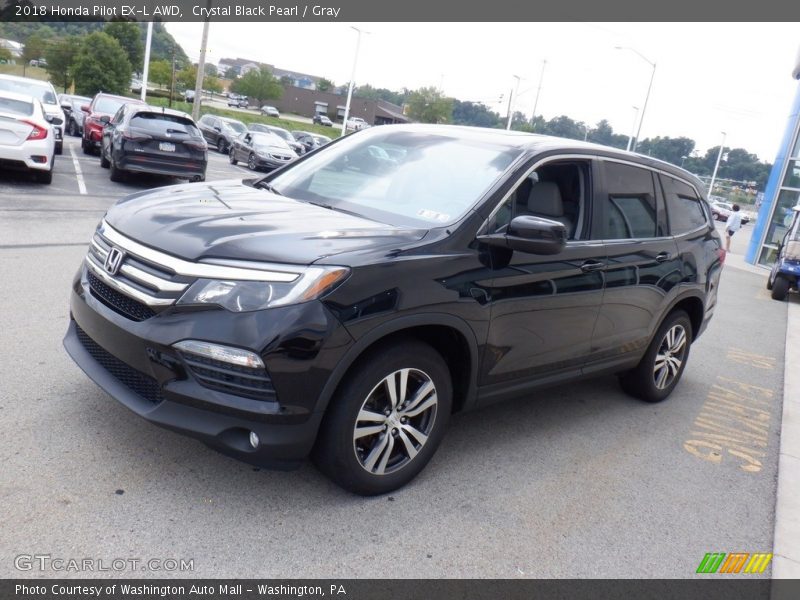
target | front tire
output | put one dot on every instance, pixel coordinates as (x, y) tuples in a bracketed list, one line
[(386, 420), (104, 162), (780, 287), (662, 365), (72, 128), (251, 163), (232, 157), (222, 146)]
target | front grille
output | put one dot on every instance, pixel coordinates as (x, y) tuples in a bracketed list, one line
[(140, 384), (232, 379), (120, 303)]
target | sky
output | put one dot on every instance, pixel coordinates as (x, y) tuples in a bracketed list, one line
[(709, 77)]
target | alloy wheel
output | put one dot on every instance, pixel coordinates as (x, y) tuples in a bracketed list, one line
[(251, 162), (395, 421), (669, 358)]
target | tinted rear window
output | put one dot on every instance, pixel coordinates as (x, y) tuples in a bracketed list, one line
[(19, 107), (161, 123), (684, 209)]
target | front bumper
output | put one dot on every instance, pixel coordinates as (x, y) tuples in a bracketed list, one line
[(135, 363), (267, 162)]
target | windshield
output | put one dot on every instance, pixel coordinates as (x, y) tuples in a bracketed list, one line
[(283, 133), (41, 91), (399, 177), (237, 126), (107, 105), (267, 140)]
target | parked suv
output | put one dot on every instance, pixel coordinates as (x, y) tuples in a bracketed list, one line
[(97, 114), (71, 105), (345, 312), (220, 131), (150, 139)]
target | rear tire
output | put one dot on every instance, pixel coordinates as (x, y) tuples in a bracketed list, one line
[(231, 157), (222, 146), (251, 163), (45, 177), (104, 162), (780, 287), (368, 452), (116, 175), (60, 148), (662, 365), (72, 128), (86, 147)]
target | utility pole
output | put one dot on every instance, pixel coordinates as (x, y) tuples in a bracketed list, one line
[(352, 79), (513, 93), (716, 166), (201, 68), (172, 82), (538, 91)]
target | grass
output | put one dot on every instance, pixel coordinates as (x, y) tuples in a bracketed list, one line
[(32, 72), (331, 132)]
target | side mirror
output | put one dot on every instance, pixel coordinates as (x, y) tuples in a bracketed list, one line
[(104, 119), (54, 120), (217, 128), (85, 108), (66, 106), (534, 235)]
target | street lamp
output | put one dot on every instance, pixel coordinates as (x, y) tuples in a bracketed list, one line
[(352, 79), (511, 100), (633, 127), (716, 166), (647, 97)]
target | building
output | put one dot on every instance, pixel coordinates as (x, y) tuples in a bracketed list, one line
[(14, 47), (241, 65), (301, 80), (782, 191), (307, 103)]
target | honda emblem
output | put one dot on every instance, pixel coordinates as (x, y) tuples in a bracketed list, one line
[(113, 261)]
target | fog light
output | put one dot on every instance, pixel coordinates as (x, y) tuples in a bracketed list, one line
[(39, 159), (234, 356), (254, 439)]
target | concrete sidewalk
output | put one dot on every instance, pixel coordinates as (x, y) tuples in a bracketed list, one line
[(786, 545)]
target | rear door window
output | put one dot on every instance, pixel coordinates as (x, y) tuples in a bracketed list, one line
[(684, 208), (630, 210)]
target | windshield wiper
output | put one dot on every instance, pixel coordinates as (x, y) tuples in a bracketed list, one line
[(265, 185)]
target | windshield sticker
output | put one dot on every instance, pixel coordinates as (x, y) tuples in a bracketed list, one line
[(432, 215)]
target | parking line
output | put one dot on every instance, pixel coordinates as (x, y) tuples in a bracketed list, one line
[(78, 172)]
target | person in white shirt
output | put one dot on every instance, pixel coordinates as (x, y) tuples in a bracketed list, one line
[(732, 225)]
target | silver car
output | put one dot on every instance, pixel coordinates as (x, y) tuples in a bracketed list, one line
[(43, 91)]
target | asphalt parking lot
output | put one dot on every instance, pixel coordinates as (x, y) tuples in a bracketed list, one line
[(578, 481)]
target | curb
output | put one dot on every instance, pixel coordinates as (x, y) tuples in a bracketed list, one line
[(786, 546)]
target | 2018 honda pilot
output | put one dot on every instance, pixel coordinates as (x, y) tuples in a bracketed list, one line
[(338, 310)]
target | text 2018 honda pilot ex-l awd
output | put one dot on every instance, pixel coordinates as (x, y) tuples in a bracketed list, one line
[(345, 305)]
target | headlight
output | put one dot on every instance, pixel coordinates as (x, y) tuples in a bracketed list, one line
[(243, 296)]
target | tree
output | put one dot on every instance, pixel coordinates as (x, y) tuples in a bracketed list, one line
[(211, 70), (324, 85), (258, 84), (129, 37), (61, 59), (101, 65), (231, 73), (186, 78), (5, 55), (565, 127), (160, 72), (35, 47), (475, 114), (673, 150), (212, 84), (604, 134), (428, 105)]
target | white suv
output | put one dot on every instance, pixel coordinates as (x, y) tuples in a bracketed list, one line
[(43, 91)]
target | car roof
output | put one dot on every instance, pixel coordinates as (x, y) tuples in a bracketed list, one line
[(38, 82), (125, 98), (16, 96), (534, 142), (228, 119)]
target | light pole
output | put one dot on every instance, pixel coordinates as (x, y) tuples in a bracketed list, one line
[(352, 79), (201, 69), (647, 97), (633, 127), (716, 166), (510, 102), (538, 91), (146, 66)]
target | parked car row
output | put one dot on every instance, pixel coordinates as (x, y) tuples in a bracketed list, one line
[(722, 210), (258, 145)]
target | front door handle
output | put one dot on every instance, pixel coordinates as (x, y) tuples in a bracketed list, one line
[(592, 265), (663, 257)]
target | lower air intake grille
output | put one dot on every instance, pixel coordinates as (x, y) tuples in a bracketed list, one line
[(120, 303), (139, 383)]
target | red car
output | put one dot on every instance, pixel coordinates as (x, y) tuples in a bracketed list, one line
[(98, 113)]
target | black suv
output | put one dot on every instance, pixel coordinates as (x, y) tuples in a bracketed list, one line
[(338, 310), (220, 131)]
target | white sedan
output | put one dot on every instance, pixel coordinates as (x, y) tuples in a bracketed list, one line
[(27, 140)]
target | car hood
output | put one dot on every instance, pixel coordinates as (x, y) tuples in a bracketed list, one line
[(231, 220)]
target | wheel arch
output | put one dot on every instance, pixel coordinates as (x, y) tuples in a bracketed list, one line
[(693, 306), (450, 336)]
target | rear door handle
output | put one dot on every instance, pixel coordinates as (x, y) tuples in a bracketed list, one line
[(592, 265), (663, 257)]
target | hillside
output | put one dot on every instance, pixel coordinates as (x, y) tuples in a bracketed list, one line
[(161, 47)]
